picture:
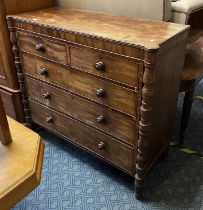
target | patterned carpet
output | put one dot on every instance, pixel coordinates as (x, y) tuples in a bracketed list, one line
[(74, 180)]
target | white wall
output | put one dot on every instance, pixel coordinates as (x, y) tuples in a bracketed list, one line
[(150, 9)]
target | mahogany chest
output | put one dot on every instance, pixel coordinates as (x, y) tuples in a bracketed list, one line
[(106, 83)]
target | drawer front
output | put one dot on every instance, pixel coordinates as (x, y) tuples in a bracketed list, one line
[(100, 144), (43, 47), (105, 65), (113, 122), (102, 91)]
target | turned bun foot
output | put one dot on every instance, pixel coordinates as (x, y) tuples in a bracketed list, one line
[(164, 154), (139, 194), (181, 139)]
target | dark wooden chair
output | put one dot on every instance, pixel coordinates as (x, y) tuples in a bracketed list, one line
[(21, 156), (191, 75)]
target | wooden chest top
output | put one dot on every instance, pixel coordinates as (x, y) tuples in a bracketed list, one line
[(145, 34)]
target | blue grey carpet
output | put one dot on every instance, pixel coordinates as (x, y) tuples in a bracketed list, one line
[(73, 179)]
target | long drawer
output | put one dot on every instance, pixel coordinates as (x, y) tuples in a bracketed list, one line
[(113, 122), (102, 91), (43, 47), (100, 144), (105, 65)]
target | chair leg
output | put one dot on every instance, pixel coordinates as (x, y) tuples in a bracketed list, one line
[(187, 106)]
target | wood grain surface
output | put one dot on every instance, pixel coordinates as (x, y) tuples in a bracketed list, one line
[(115, 123), (105, 26), (49, 49), (115, 96), (114, 67), (84, 136)]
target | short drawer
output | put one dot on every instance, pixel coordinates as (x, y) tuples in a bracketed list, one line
[(105, 65), (113, 122), (102, 91), (43, 47), (95, 141)]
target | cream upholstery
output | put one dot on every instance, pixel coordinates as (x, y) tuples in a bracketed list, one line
[(182, 9), (187, 6), (158, 10)]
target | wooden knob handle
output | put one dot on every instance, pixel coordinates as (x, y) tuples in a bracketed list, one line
[(46, 95), (39, 48), (100, 92), (99, 66), (100, 119), (49, 119), (101, 145), (43, 71)]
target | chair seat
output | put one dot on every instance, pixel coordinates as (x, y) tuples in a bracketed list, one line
[(193, 66), (182, 10), (186, 6), (20, 164)]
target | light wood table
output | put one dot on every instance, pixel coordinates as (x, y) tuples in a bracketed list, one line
[(20, 164)]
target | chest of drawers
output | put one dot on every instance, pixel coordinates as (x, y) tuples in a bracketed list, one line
[(106, 83)]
